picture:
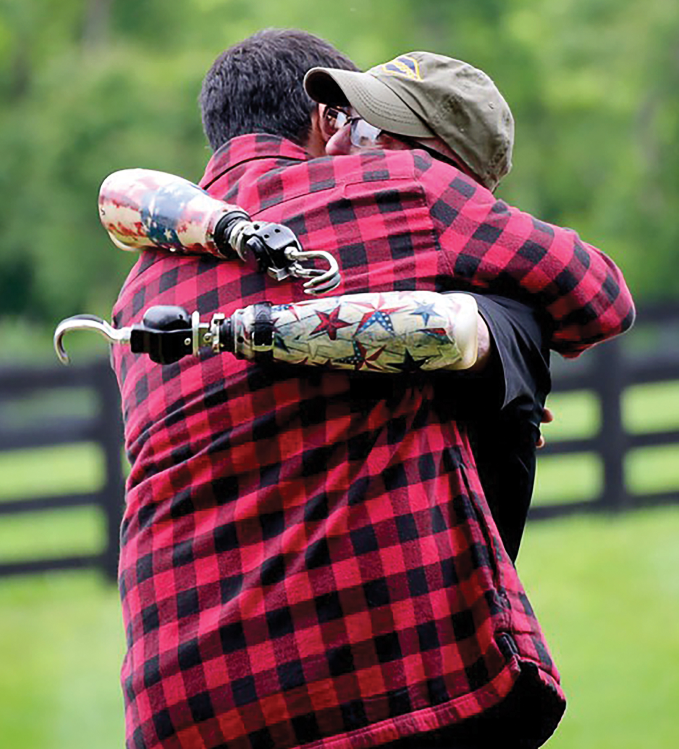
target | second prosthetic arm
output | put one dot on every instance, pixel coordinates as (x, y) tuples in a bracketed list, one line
[(143, 208), (397, 331)]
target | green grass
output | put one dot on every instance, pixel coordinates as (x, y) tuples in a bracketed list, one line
[(46, 472), (52, 533), (61, 645), (606, 592), (650, 408), (51, 470)]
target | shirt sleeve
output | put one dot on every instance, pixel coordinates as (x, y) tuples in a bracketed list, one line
[(495, 248)]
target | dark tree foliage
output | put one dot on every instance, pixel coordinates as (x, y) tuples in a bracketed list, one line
[(91, 87)]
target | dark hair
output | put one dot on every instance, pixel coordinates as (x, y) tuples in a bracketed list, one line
[(256, 86)]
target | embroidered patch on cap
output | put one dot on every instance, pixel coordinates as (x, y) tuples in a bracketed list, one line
[(403, 65)]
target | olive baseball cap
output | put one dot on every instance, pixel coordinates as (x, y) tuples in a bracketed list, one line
[(425, 95)]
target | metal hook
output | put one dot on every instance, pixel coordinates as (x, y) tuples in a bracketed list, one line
[(87, 322), (321, 281)]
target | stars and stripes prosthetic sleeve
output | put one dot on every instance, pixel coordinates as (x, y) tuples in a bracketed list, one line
[(395, 332), (146, 209)]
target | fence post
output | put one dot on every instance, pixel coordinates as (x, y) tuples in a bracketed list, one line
[(612, 439), (113, 492)]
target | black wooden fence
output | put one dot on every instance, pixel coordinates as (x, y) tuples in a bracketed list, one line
[(649, 354), (102, 427)]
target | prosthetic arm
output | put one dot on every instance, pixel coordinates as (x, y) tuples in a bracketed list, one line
[(383, 332), (398, 331), (142, 208)]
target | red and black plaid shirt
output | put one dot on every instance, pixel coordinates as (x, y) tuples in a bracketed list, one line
[(307, 557)]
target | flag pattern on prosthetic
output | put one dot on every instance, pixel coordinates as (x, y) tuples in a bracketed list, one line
[(145, 209), (338, 332)]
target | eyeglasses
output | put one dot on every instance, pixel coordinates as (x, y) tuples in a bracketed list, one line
[(365, 135), (362, 133)]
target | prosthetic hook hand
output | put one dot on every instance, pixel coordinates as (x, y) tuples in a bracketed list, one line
[(398, 331), (142, 208)]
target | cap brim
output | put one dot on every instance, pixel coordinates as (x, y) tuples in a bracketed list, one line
[(373, 100)]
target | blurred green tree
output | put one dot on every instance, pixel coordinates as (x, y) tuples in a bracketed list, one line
[(91, 87)]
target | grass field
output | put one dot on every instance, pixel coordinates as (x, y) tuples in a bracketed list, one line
[(606, 591)]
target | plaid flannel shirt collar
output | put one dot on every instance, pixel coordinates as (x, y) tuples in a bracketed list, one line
[(245, 148)]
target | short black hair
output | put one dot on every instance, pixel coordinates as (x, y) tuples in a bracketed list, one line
[(256, 86)]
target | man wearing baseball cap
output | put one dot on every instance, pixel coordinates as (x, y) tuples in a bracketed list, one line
[(429, 99)]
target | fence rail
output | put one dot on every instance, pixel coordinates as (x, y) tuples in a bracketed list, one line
[(607, 371)]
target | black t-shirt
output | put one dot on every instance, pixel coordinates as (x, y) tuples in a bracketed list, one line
[(503, 407)]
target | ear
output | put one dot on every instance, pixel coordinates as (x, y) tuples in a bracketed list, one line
[(315, 145)]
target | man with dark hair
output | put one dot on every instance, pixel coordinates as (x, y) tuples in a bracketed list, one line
[(265, 95), (307, 556)]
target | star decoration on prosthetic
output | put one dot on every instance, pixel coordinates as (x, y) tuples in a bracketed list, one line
[(279, 330), (376, 315), (329, 324), (292, 308), (410, 365), (279, 342), (425, 311), (358, 359)]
